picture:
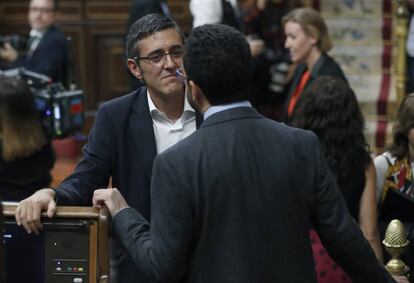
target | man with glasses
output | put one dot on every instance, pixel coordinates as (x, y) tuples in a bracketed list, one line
[(128, 132), (47, 48), (139, 9)]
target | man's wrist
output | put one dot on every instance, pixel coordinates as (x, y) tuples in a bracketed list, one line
[(119, 210), (53, 193)]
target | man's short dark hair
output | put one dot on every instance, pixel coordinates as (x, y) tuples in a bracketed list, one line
[(146, 26), (218, 59)]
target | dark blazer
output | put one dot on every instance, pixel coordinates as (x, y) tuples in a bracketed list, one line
[(141, 8), (324, 66), (233, 202), (50, 56), (121, 145)]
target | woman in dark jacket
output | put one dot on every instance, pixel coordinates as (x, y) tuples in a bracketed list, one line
[(308, 42)]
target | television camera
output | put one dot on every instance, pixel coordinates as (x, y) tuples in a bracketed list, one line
[(62, 111), (18, 42)]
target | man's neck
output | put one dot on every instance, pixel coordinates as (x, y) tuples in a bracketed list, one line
[(41, 30), (172, 106)]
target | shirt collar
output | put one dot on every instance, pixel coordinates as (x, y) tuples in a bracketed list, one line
[(188, 110), (218, 108), (36, 33)]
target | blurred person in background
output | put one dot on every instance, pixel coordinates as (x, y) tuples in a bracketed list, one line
[(330, 109), (26, 154), (308, 42), (395, 167), (398, 159), (274, 57), (141, 8), (261, 22), (410, 48), (47, 48)]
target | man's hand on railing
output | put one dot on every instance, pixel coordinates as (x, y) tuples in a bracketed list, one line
[(112, 198), (29, 210)]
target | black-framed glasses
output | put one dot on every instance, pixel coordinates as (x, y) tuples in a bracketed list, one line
[(159, 56)]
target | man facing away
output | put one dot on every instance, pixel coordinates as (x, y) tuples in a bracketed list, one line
[(234, 201), (128, 132), (47, 50)]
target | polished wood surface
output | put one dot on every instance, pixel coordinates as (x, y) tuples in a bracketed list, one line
[(61, 212)]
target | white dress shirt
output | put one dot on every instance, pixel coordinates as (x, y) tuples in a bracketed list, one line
[(168, 132), (37, 35)]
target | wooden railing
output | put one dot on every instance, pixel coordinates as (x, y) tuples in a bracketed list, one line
[(98, 235)]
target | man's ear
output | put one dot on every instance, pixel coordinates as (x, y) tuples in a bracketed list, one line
[(134, 68), (198, 97), (195, 91)]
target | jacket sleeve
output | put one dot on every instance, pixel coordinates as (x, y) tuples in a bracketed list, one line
[(160, 249), (94, 170)]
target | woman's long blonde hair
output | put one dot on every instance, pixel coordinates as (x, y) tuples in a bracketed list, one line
[(20, 126)]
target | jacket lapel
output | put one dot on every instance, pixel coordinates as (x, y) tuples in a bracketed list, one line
[(142, 131), (41, 42)]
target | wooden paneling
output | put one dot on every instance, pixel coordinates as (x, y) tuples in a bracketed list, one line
[(97, 29), (181, 13), (71, 11), (112, 79), (114, 10)]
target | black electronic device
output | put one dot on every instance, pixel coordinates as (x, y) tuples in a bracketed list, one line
[(62, 111), (18, 42), (59, 254)]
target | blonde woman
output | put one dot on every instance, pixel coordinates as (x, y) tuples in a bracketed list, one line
[(308, 42)]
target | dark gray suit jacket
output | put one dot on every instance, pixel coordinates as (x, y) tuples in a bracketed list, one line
[(121, 145), (234, 201)]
